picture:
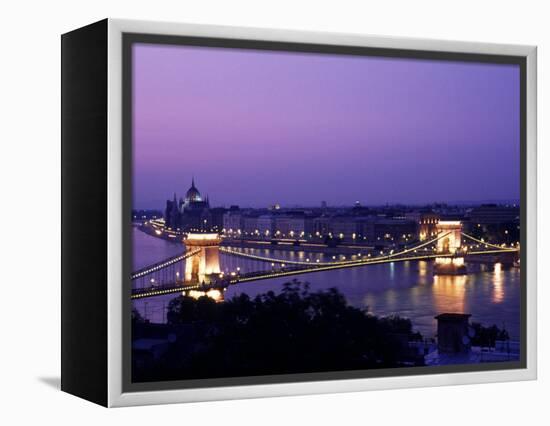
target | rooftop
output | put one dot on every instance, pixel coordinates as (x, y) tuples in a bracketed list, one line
[(452, 316)]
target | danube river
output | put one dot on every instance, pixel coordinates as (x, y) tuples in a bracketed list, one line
[(408, 289)]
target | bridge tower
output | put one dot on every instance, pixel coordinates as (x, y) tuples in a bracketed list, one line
[(449, 233), (205, 265)]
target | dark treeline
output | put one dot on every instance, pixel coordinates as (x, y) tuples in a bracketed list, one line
[(487, 336), (296, 331)]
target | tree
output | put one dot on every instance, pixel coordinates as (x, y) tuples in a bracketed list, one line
[(294, 331), (487, 336)]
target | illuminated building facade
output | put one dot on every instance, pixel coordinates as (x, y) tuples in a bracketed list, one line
[(233, 222), (191, 213), (426, 223), (290, 226)]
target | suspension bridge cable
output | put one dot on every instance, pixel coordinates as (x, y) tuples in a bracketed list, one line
[(488, 244), (160, 265), (345, 262)]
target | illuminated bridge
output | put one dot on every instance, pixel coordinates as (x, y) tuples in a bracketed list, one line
[(169, 276)]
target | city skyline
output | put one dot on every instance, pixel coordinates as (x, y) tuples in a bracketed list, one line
[(323, 203), (257, 128), (351, 203)]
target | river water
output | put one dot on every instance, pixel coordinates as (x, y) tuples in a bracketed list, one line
[(408, 289)]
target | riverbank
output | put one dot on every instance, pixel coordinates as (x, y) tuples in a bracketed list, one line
[(283, 245)]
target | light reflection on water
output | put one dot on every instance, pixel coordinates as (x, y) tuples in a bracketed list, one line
[(408, 289)]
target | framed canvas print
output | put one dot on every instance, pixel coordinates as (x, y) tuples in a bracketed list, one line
[(251, 212)]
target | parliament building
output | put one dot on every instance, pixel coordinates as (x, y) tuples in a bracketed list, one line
[(191, 213)]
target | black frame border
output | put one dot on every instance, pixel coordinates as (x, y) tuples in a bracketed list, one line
[(129, 39), (84, 184)]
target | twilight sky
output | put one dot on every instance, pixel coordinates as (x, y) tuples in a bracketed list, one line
[(257, 128)]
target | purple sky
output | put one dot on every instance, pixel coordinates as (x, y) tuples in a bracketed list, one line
[(257, 128)]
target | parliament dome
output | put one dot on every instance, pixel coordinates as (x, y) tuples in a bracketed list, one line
[(193, 194)]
